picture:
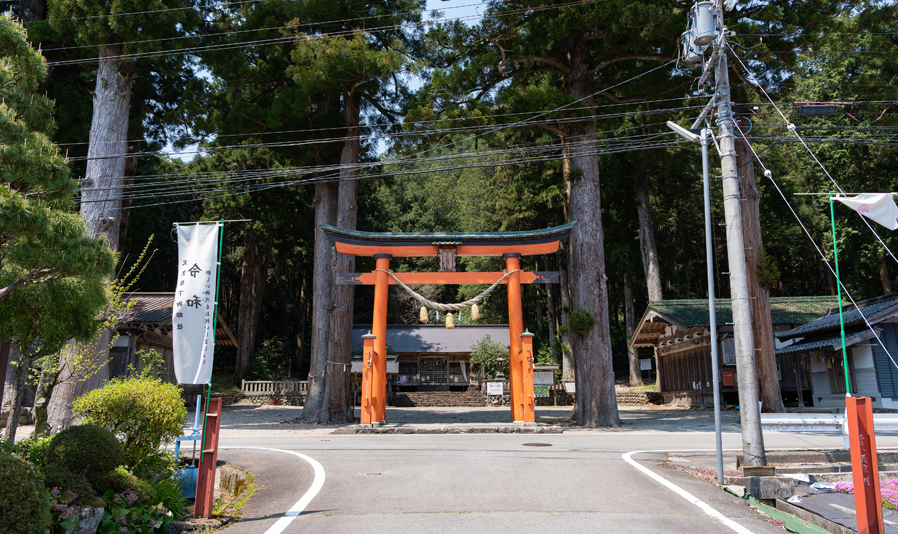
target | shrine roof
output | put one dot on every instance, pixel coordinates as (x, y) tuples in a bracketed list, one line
[(361, 243)]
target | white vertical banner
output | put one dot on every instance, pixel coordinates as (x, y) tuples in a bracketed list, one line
[(193, 313)]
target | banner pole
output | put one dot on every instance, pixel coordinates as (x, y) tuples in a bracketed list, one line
[(214, 327), (832, 215)]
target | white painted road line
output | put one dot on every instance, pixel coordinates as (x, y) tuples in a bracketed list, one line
[(301, 504), (736, 527)]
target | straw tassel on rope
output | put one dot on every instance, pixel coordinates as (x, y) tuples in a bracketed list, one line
[(450, 324), (423, 316), (475, 312)]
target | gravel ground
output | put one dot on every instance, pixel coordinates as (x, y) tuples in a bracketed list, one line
[(241, 420)]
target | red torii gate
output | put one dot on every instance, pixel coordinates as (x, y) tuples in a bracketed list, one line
[(383, 246)]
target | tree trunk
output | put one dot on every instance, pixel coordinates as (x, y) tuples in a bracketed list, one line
[(568, 364), (759, 297), (101, 193), (552, 312), (20, 374), (596, 399), (685, 255), (337, 405), (630, 319), (884, 274), (254, 275), (650, 263), (42, 395), (303, 319), (322, 301), (651, 266), (9, 382), (32, 11)]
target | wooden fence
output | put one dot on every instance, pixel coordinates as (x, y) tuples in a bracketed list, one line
[(273, 387)]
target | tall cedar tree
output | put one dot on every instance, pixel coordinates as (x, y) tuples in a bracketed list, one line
[(116, 34), (365, 69), (52, 273)]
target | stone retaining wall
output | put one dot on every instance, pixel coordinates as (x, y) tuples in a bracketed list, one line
[(407, 399), (639, 398)]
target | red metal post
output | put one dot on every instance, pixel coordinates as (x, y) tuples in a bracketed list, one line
[(527, 378), (367, 379), (379, 330), (516, 328), (205, 481), (864, 465)]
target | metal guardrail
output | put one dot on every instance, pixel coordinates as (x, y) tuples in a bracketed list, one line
[(820, 422), (273, 387)]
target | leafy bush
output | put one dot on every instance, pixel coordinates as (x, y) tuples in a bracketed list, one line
[(121, 481), (23, 501), (59, 477), (31, 450), (123, 513), (85, 449), (144, 412), (488, 352), (170, 495)]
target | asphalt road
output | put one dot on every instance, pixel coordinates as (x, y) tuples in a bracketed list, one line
[(580, 482)]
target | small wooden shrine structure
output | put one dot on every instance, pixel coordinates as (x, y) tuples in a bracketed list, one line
[(447, 246)]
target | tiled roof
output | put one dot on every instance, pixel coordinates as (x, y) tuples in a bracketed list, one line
[(692, 313), (152, 307), (874, 309), (832, 342), (434, 338), (783, 310)]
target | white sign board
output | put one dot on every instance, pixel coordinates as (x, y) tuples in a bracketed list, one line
[(645, 364), (570, 387), (193, 312), (494, 388)]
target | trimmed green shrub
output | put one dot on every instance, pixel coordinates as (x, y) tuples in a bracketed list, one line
[(143, 412), (85, 449), (32, 451), (119, 481), (23, 501), (59, 477)]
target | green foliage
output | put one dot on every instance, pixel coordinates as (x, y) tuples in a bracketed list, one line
[(40, 241), (145, 413), (63, 512), (488, 352), (581, 321), (125, 514), (31, 450), (169, 493), (768, 273), (23, 501), (120, 480), (153, 365), (85, 449), (56, 476)]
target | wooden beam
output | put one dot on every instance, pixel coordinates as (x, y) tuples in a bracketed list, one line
[(450, 278)]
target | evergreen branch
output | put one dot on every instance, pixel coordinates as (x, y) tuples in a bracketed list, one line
[(604, 64), (32, 278)]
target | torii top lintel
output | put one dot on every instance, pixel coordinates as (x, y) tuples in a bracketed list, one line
[(357, 243)]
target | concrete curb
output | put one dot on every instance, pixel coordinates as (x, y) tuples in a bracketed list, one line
[(450, 430)]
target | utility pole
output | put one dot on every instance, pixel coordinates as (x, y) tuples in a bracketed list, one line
[(749, 410), (707, 26)]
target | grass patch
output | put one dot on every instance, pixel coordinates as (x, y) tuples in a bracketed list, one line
[(231, 504)]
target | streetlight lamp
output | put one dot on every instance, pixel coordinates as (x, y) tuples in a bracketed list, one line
[(702, 137)]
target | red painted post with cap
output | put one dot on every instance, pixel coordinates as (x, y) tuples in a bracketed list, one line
[(864, 465), (205, 480)]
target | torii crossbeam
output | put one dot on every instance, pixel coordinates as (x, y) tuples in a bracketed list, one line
[(384, 246)]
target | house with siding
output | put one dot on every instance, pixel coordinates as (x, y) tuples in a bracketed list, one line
[(872, 353), (678, 334)]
